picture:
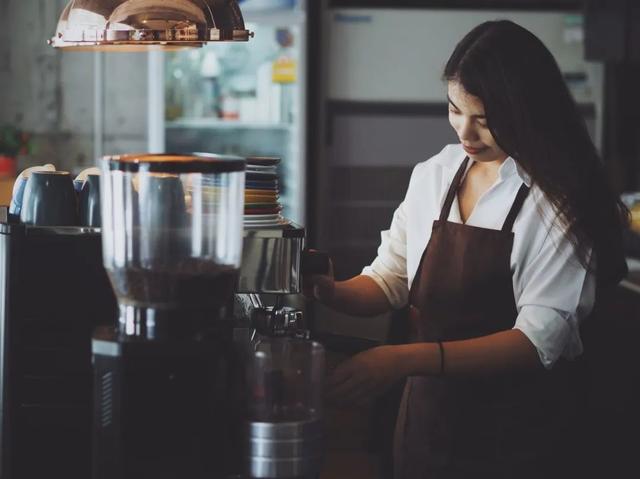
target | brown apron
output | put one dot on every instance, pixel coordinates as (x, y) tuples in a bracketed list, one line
[(499, 426)]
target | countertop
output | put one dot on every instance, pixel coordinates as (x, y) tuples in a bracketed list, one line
[(632, 281)]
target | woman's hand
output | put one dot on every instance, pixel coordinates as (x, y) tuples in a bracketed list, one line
[(320, 286), (365, 375)]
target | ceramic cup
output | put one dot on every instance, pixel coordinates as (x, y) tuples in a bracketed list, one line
[(162, 215), (89, 202), (21, 183), (161, 201), (49, 200)]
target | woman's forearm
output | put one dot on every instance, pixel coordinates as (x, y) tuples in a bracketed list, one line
[(359, 296), (497, 353)]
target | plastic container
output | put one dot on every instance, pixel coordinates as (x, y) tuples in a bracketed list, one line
[(285, 378), (172, 229)]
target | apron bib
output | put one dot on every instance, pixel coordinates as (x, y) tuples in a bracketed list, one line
[(515, 425)]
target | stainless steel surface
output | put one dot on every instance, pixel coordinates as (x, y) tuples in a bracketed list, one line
[(138, 25), (264, 467), (285, 448), (285, 430), (279, 322), (6, 247), (61, 230), (292, 230), (632, 281), (245, 304), (271, 261)]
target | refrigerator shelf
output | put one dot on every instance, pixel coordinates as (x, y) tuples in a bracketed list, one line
[(217, 124)]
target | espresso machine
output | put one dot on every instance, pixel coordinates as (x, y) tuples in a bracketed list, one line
[(53, 293), (283, 368), (199, 378), (186, 371), (197, 368)]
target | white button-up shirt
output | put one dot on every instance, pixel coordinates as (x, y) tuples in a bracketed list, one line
[(552, 290)]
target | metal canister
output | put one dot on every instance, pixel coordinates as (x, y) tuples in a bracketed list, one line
[(285, 449)]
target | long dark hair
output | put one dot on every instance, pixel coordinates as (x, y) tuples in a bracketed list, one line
[(534, 119)]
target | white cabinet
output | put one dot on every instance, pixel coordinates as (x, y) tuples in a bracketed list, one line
[(399, 55)]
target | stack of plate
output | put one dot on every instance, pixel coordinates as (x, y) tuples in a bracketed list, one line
[(261, 206)]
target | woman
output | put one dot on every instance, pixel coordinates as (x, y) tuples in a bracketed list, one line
[(498, 248)]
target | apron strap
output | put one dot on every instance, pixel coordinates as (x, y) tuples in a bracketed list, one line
[(444, 216), (515, 208), (453, 189)]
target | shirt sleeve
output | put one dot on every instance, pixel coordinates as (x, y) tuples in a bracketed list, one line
[(557, 293), (389, 269)]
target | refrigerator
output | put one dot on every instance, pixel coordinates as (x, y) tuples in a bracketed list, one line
[(239, 98)]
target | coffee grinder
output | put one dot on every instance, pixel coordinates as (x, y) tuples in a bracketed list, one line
[(164, 374)]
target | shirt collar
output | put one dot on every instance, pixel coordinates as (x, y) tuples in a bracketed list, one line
[(507, 169), (526, 179)]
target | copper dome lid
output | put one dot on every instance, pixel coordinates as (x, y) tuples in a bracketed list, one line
[(132, 25)]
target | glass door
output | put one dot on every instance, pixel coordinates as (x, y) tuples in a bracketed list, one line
[(245, 99)]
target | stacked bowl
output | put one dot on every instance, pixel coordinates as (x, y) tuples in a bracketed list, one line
[(262, 208)]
